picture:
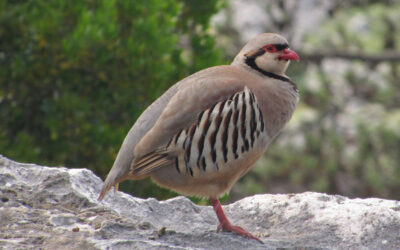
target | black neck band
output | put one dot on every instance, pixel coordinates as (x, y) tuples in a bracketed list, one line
[(251, 62)]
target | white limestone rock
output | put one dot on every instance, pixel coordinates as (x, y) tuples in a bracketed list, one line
[(57, 208)]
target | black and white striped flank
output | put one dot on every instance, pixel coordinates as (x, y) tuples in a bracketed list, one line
[(221, 134)]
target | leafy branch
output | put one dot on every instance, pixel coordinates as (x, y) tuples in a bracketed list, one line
[(386, 56)]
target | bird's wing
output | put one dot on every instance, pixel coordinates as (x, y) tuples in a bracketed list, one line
[(180, 114), (215, 128)]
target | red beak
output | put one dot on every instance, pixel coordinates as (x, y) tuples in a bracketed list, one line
[(288, 55)]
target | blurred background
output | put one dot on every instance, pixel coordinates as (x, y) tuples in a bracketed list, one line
[(75, 75)]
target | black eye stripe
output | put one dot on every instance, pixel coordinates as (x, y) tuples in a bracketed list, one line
[(281, 46)]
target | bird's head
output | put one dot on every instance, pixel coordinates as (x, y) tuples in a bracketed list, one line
[(269, 52)]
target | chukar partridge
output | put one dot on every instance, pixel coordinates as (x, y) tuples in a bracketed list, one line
[(208, 130)]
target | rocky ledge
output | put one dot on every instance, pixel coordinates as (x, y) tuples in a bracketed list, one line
[(56, 208)]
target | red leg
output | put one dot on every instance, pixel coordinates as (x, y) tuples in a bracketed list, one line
[(224, 223)]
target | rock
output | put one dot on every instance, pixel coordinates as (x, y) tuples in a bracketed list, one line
[(56, 208)]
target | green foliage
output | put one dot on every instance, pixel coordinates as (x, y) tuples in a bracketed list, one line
[(75, 75), (360, 28)]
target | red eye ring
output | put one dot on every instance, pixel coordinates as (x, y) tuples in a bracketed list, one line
[(270, 48)]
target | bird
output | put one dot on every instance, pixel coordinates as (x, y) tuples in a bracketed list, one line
[(208, 130)]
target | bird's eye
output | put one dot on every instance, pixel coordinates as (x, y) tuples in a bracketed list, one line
[(270, 48)]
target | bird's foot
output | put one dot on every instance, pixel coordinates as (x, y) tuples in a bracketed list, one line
[(228, 227), (224, 223)]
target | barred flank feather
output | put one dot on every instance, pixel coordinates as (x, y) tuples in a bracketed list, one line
[(150, 163)]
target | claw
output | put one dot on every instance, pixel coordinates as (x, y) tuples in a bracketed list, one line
[(219, 228), (228, 227)]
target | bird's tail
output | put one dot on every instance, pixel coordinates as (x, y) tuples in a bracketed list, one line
[(108, 183), (140, 169)]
